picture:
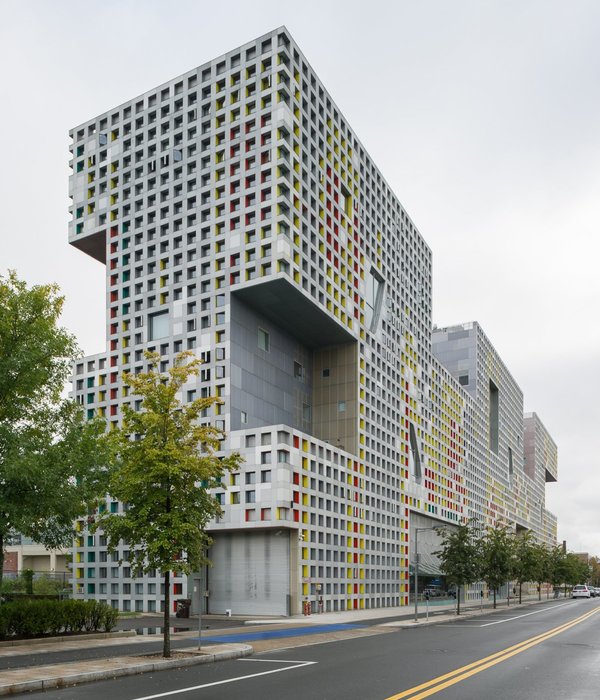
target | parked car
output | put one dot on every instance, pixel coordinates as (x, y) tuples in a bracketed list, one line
[(581, 592), (593, 591)]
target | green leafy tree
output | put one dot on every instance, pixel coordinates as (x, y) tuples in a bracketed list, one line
[(460, 557), (595, 571), (543, 566), (51, 462), (577, 570), (163, 466), (496, 557), (525, 560), (557, 567), (568, 569)]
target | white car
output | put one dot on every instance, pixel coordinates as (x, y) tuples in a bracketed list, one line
[(580, 592)]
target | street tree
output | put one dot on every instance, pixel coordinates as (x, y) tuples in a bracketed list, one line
[(577, 570), (496, 557), (595, 571), (557, 567), (543, 566), (51, 461), (525, 560), (460, 557), (163, 466)]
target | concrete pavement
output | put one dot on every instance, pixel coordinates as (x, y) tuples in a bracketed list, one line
[(327, 627), (22, 680)]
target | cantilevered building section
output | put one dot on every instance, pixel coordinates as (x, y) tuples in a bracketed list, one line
[(541, 467), (239, 216)]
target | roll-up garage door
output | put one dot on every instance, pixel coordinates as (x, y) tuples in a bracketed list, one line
[(250, 574)]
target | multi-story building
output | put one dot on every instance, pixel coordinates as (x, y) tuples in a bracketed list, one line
[(541, 467), (239, 216), (510, 456)]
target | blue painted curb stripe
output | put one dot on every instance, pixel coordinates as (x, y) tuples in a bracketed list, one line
[(278, 634)]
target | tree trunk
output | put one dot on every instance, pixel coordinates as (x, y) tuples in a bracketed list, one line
[(494, 598), (520, 591), (1, 562), (458, 600), (167, 613), (167, 617)]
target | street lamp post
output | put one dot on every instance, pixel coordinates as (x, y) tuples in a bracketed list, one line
[(200, 601), (416, 569), (199, 614)]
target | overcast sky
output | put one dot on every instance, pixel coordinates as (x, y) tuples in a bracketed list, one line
[(483, 116)]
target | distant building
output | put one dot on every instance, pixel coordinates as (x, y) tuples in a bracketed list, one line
[(24, 553), (509, 456), (239, 216), (583, 556)]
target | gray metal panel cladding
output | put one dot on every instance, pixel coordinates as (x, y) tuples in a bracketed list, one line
[(250, 573)]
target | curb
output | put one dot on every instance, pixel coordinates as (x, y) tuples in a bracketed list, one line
[(467, 612), (126, 666), (67, 638)]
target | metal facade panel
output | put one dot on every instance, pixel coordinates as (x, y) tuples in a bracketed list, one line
[(250, 573)]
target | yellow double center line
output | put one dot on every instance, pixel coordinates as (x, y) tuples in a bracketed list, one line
[(460, 674)]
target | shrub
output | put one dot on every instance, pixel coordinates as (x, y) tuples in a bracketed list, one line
[(44, 585), (93, 615), (4, 621), (12, 585), (27, 576), (75, 614), (29, 618), (55, 621), (109, 618)]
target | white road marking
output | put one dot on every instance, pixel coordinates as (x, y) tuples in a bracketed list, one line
[(279, 661), (228, 680), (517, 617), (467, 624), (503, 619)]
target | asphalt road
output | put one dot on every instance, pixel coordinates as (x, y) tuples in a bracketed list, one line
[(547, 652)]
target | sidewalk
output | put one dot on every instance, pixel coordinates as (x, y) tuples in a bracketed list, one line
[(328, 627), (22, 680)]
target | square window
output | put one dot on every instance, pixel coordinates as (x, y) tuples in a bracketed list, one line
[(159, 325)]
